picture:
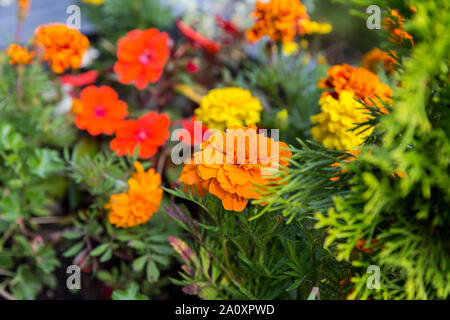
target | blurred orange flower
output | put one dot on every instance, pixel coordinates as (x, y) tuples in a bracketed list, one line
[(99, 110), (361, 245), (19, 55), (236, 182), (363, 83), (23, 8), (142, 200), (394, 24), (63, 47), (142, 56), (377, 56), (208, 45), (281, 20), (149, 132)]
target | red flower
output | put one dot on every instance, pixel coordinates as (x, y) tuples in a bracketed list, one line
[(188, 124), (191, 67), (148, 133), (227, 25), (80, 80), (142, 55), (99, 110), (208, 45)]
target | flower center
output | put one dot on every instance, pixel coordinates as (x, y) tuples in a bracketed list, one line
[(145, 57), (99, 111), (142, 135)]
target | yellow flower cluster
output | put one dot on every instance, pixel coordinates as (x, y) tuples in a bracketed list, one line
[(19, 55), (94, 2), (142, 200), (337, 118), (310, 27), (225, 107)]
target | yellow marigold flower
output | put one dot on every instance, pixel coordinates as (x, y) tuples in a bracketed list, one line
[(281, 119), (322, 60), (142, 200), (94, 2), (316, 27), (282, 115), (63, 47), (290, 48), (232, 175), (278, 19), (19, 55), (225, 107), (377, 56), (304, 44), (337, 118)]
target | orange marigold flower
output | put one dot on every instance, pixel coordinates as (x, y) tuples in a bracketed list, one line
[(208, 45), (148, 133), (281, 20), (142, 55), (19, 55), (190, 178), (394, 24), (233, 175), (377, 56), (63, 47), (142, 200), (363, 83), (99, 110)]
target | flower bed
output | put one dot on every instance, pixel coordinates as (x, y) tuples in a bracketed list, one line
[(160, 159)]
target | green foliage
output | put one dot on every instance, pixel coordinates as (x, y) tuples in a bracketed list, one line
[(116, 17), (31, 180), (407, 213), (132, 293), (37, 175), (235, 258), (287, 82), (308, 188), (144, 248), (313, 236)]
